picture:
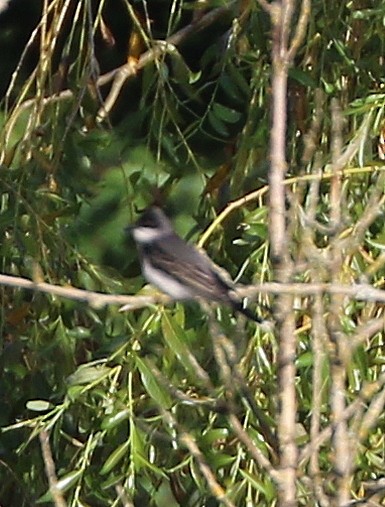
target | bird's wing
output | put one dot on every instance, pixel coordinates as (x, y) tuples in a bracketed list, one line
[(190, 267)]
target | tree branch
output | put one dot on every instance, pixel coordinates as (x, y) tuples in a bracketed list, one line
[(122, 73), (360, 292)]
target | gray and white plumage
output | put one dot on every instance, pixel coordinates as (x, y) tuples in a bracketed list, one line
[(177, 268)]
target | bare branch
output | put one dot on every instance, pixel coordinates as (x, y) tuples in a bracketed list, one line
[(319, 336), (300, 29), (95, 299), (265, 6), (369, 389), (50, 469), (360, 292), (281, 14), (259, 457)]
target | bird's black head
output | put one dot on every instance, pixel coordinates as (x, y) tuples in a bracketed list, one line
[(153, 218), (152, 224)]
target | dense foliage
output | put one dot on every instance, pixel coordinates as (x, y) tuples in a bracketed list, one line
[(177, 404)]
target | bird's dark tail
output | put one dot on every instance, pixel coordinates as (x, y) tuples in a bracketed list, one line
[(238, 306)]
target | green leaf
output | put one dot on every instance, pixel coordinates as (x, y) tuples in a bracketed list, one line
[(214, 435), (64, 484), (114, 458), (218, 460), (305, 359), (176, 339), (343, 51), (217, 124), (69, 480), (38, 405), (114, 420), (226, 114), (254, 481), (138, 447), (157, 392), (88, 374), (144, 462), (230, 89), (239, 80), (302, 77)]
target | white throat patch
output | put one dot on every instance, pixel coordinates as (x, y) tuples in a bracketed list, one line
[(147, 234)]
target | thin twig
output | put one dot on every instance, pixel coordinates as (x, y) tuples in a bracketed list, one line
[(257, 455), (232, 378), (188, 441), (300, 29), (256, 195), (368, 391), (50, 469)]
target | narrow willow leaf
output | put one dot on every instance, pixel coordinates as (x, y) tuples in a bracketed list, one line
[(226, 114), (144, 462), (62, 485), (115, 419), (151, 384), (176, 339), (114, 458), (88, 374), (217, 124)]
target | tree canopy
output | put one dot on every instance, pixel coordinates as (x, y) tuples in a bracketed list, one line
[(258, 127)]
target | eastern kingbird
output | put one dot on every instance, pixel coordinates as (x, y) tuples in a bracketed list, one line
[(177, 268)]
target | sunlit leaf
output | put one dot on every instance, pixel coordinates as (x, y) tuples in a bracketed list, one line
[(63, 484), (88, 374), (38, 405)]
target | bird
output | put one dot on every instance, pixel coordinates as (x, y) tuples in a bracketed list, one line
[(178, 268)]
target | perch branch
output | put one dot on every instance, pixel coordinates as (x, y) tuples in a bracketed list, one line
[(360, 292)]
